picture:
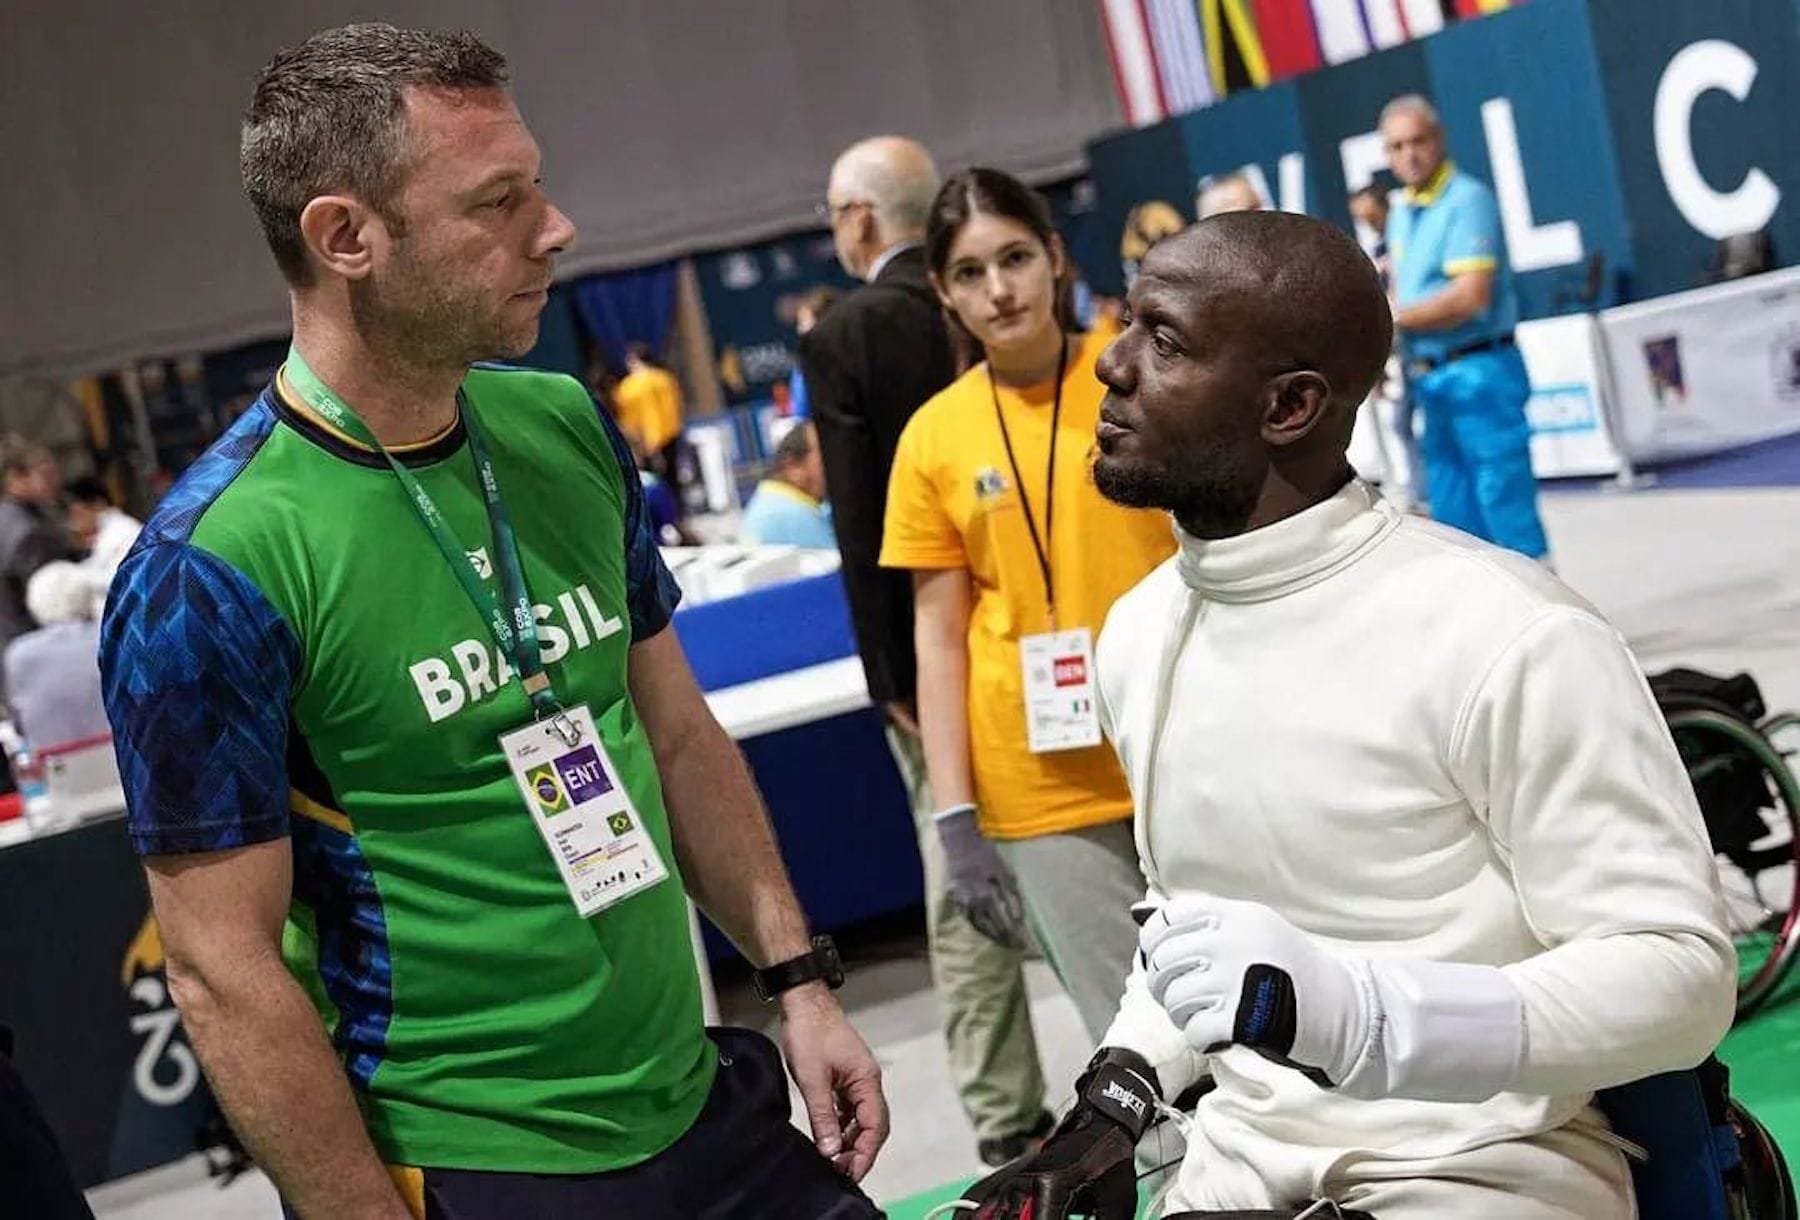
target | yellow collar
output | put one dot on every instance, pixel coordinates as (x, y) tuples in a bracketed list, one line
[(781, 487), (299, 405), (1425, 196)]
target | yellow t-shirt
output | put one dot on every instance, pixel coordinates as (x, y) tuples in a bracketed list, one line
[(648, 403), (952, 503)]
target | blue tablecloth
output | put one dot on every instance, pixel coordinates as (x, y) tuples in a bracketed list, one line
[(767, 632), (834, 795)]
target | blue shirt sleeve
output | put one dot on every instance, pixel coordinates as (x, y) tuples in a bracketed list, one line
[(198, 671), (1472, 236), (651, 593)]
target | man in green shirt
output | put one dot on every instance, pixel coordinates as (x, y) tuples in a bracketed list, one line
[(418, 769)]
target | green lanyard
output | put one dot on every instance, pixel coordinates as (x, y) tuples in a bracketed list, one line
[(517, 635)]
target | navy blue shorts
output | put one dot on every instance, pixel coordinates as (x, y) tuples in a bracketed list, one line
[(741, 1160)]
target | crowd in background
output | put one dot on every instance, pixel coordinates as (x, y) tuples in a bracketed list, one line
[(59, 547)]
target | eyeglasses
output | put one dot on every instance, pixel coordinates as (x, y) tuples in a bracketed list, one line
[(829, 212)]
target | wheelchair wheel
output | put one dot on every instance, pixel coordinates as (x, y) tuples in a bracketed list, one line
[(1751, 801), (1763, 1190)]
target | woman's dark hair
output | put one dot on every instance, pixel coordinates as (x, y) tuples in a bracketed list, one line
[(998, 194)]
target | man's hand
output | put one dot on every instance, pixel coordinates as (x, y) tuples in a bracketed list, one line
[(1237, 972), (838, 1078), (1087, 1161)]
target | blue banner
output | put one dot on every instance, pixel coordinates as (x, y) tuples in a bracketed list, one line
[(1704, 106), (1623, 139), (1524, 112)]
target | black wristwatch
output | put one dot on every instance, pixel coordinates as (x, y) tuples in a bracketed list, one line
[(821, 963)]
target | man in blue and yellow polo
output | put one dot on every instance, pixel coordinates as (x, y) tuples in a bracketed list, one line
[(1455, 308)]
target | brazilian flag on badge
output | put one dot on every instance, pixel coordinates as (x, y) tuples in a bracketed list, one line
[(547, 790), (619, 823)]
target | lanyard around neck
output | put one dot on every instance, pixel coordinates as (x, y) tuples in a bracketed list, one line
[(1039, 544), (515, 632)]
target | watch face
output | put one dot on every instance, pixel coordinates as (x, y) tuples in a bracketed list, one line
[(831, 966)]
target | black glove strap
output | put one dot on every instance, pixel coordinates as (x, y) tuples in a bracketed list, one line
[(1121, 1086)]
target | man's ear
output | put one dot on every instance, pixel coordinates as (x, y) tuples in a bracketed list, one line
[(340, 232), (1293, 405)]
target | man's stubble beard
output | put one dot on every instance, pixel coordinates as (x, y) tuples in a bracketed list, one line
[(1214, 502), (408, 314)]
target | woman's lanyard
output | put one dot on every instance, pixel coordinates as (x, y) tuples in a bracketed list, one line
[(516, 634), (1041, 545)]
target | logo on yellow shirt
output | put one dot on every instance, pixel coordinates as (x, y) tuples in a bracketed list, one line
[(990, 484)]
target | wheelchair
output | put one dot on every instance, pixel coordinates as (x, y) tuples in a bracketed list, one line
[(1696, 1153), (1705, 1156), (1750, 798)]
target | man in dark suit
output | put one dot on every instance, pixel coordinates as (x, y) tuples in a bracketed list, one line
[(869, 364)]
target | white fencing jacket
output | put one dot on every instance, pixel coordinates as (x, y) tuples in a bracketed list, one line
[(1411, 744)]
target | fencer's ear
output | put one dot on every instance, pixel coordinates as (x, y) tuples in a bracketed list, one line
[(1293, 405)]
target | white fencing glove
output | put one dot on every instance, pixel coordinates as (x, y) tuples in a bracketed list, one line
[(1230, 972)]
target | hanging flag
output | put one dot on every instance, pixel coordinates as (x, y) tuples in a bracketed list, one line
[(1480, 8), (1288, 38), (1343, 30), (1180, 55), (1133, 62), (1423, 17), (1233, 46)]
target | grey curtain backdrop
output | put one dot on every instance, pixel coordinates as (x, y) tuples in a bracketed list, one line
[(667, 125)]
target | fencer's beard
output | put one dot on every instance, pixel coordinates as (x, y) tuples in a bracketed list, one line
[(1209, 490)]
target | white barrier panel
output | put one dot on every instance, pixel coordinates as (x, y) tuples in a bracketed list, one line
[(1711, 369), (1569, 431)]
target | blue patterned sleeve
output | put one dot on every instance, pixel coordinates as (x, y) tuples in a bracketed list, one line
[(650, 589), (197, 669)]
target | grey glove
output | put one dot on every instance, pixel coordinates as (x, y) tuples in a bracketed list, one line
[(980, 884)]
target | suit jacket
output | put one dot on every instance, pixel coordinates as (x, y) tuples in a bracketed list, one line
[(872, 360)]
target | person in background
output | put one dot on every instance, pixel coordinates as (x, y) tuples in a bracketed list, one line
[(104, 531), (788, 508), (31, 531), (869, 363), (1389, 410), (1369, 208), (1228, 193), (1016, 560), (647, 401), (812, 307), (1455, 309), (53, 673)]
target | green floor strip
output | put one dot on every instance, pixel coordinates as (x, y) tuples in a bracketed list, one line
[(1763, 1053)]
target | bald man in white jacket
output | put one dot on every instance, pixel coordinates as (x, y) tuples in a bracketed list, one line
[(1425, 868)]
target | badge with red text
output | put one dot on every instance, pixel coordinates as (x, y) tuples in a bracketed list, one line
[(1060, 712)]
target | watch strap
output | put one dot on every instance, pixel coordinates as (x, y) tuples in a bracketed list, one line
[(819, 963)]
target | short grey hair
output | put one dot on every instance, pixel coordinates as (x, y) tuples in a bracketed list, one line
[(894, 176), (329, 115), (1412, 103), (1215, 192), (60, 592)]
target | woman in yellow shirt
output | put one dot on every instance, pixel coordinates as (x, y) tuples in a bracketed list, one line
[(1016, 561)]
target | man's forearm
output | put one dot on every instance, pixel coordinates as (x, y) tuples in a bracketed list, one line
[(727, 849), (284, 1090), (1459, 302)]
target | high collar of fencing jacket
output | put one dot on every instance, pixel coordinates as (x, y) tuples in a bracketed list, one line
[(1291, 554)]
